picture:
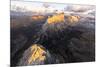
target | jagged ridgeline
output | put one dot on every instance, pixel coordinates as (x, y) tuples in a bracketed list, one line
[(62, 39)]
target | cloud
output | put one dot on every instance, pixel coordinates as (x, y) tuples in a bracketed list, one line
[(80, 8)]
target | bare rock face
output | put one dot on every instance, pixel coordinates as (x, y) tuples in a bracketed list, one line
[(24, 31), (62, 39), (60, 29), (71, 38), (38, 55)]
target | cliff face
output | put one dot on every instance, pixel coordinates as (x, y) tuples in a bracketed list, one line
[(62, 39), (71, 38), (38, 55)]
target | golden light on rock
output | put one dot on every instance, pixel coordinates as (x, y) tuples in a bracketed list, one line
[(38, 53), (60, 18), (56, 18), (73, 19), (38, 17)]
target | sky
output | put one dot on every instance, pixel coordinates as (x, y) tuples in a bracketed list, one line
[(89, 2), (38, 6), (30, 5)]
